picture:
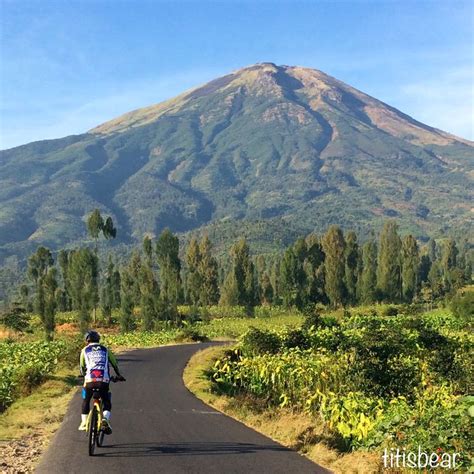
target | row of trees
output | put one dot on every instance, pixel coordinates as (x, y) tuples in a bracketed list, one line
[(334, 269)]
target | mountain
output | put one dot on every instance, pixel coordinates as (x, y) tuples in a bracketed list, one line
[(274, 146)]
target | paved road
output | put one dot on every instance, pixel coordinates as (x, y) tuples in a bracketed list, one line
[(160, 427)]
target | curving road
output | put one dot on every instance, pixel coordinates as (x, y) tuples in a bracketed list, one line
[(160, 427)]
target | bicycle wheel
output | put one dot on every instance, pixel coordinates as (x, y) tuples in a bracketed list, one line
[(92, 431), (100, 438)]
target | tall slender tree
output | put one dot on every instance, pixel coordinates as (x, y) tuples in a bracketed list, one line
[(167, 253), (244, 272), (43, 275), (193, 275), (410, 267), (334, 263), (389, 265), (314, 268), (126, 299), (352, 266), (368, 277), (209, 271), (83, 277)]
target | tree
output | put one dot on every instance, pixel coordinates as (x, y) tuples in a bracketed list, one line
[(167, 253), (193, 275), (148, 249), (149, 289), (266, 289), (108, 230), (448, 266), (63, 260), (134, 269), (410, 268), (41, 271), (314, 269), (243, 269), (95, 224), (126, 298), (83, 277), (110, 292), (389, 268), (149, 296), (293, 277), (50, 286), (352, 258), (209, 271), (334, 264), (368, 277), (275, 281), (230, 291)]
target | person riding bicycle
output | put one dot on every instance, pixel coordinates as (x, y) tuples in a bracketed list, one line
[(94, 366)]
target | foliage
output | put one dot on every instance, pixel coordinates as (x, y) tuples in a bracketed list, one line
[(15, 317), (24, 365), (374, 380), (462, 305)]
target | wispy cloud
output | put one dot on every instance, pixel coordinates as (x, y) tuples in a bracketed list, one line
[(445, 101), (66, 115)]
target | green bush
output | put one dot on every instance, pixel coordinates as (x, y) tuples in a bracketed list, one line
[(389, 311), (296, 338), (15, 317), (256, 341), (462, 306), (188, 333)]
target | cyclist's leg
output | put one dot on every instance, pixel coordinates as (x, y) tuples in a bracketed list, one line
[(86, 399), (104, 395)]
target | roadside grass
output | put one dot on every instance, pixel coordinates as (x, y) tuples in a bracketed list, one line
[(297, 431), (42, 411)]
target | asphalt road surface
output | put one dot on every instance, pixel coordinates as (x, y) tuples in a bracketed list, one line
[(160, 427)]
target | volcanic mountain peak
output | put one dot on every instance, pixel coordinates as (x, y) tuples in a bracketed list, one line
[(282, 144), (318, 89)]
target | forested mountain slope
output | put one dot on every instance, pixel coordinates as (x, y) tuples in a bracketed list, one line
[(265, 143)]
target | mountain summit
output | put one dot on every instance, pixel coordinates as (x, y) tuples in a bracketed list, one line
[(283, 143)]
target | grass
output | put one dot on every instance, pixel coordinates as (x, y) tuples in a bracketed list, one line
[(294, 430), (42, 411)]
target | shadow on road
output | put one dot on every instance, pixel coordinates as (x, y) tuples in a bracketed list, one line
[(184, 449)]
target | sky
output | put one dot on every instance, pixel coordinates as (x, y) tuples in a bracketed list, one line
[(67, 66)]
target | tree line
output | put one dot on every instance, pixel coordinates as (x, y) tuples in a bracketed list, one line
[(333, 269)]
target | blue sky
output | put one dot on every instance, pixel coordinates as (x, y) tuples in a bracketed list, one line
[(67, 66)]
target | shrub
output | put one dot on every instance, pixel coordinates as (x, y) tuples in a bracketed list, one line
[(390, 311), (296, 338), (256, 341), (15, 318), (462, 305), (190, 334)]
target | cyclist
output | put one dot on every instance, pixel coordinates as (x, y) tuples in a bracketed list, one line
[(94, 365)]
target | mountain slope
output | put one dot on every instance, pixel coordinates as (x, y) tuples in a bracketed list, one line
[(286, 143)]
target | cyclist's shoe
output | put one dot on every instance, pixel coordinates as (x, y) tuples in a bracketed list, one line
[(106, 428), (83, 426)]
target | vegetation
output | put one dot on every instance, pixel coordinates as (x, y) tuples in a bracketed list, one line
[(395, 372), (375, 381)]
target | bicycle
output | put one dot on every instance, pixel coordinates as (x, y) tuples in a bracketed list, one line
[(95, 433)]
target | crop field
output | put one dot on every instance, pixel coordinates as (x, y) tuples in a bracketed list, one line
[(374, 381), (24, 365)]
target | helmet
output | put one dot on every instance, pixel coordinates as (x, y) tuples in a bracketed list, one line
[(92, 336)]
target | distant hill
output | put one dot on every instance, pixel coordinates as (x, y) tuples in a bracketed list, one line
[(274, 146)]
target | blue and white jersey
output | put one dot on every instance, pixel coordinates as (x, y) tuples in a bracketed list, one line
[(95, 363)]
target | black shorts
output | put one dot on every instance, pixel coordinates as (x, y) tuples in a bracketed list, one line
[(88, 391)]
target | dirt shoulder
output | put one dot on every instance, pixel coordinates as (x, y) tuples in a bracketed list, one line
[(28, 425)]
